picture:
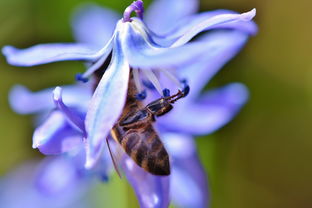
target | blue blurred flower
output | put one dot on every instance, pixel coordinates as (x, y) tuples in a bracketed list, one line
[(53, 183), (159, 53)]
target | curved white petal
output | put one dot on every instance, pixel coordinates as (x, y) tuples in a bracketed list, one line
[(47, 53), (107, 103)]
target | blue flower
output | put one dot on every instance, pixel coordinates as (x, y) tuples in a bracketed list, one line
[(52, 183), (134, 46), (156, 48)]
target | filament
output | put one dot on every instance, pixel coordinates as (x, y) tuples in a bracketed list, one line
[(154, 80), (137, 81), (171, 77)]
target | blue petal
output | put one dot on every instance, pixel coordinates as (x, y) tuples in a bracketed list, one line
[(217, 21), (187, 172), (56, 135), (72, 116), (186, 23), (151, 190), (107, 103), (18, 189), (162, 14), (56, 175), (47, 53), (93, 24), (206, 115), (221, 47), (24, 101), (143, 53)]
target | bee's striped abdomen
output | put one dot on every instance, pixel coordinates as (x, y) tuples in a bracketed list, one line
[(135, 133), (146, 149)]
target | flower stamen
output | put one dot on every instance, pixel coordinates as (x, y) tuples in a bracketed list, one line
[(185, 87), (166, 92), (137, 7), (81, 78), (148, 84), (141, 95), (171, 77), (136, 78), (154, 80)]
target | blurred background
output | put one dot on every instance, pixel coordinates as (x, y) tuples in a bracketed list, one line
[(261, 159)]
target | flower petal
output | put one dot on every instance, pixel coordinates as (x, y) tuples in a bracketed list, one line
[(214, 110), (214, 22), (56, 135), (93, 24), (47, 53), (18, 188), (162, 14), (221, 47), (143, 53), (24, 101), (151, 190), (73, 117), (56, 175), (187, 172), (107, 103), (184, 24)]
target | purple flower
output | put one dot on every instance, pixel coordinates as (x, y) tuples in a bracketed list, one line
[(132, 45), (54, 182), (156, 48)]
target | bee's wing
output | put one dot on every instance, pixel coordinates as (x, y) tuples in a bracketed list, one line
[(115, 155), (134, 117)]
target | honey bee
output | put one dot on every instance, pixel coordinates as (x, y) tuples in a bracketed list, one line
[(135, 133)]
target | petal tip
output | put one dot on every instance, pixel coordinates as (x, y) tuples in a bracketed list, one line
[(89, 163), (6, 50), (57, 93), (239, 92), (247, 16), (18, 96), (35, 145)]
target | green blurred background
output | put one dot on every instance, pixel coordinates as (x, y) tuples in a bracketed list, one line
[(261, 159)]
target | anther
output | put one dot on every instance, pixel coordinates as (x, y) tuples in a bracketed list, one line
[(186, 90), (166, 92), (141, 95), (79, 77), (148, 84), (185, 87), (103, 177)]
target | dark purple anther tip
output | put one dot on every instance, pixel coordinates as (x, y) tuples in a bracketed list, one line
[(104, 178), (166, 92), (186, 87), (137, 7), (141, 96), (80, 78), (148, 84), (186, 90)]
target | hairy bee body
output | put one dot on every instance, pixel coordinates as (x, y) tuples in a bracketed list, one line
[(135, 133)]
